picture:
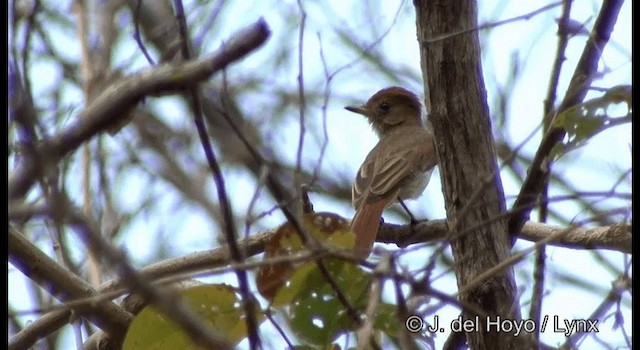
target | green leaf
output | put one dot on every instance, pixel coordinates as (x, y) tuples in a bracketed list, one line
[(318, 319), (583, 121), (620, 93), (386, 319), (219, 305), (296, 285), (314, 312)]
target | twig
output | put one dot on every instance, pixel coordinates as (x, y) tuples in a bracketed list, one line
[(302, 105), (252, 203), (89, 81), (401, 302), (325, 102), (616, 237), (512, 260), (39, 329), (64, 286), (207, 24), (578, 87), (563, 39), (31, 20), (527, 17), (367, 49), (110, 106), (535, 311), (365, 332), (423, 287), (279, 329), (278, 192), (225, 206), (136, 34), (23, 112), (619, 286), (199, 332)]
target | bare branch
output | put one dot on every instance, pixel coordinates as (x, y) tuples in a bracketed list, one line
[(578, 87), (136, 34), (118, 98), (615, 237), (63, 285), (38, 329), (540, 257), (526, 16), (199, 332), (230, 231), (303, 106), (365, 332), (618, 287)]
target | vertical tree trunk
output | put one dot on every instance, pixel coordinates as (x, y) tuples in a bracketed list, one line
[(473, 192)]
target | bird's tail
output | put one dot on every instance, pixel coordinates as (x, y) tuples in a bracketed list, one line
[(365, 226)]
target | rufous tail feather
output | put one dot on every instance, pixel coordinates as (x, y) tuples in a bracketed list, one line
[(365, 226)]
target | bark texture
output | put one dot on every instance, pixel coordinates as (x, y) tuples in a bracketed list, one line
[(456, 95)]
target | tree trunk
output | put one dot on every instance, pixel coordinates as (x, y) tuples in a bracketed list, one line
[(473, 192)]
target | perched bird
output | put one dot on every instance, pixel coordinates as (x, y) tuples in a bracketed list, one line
[(397, 168)]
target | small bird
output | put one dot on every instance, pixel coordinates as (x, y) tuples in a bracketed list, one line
[(397, 168)]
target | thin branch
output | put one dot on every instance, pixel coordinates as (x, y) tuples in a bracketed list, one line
[(526, 17), (225, 206), (89, 70), (615, 237), (302, 104), (423, 286), (39, 329), (199, 332), (618, 287), (367, 50), (200, 261), (110, 106), (563, 39), (365, 332), (325, 102), (26, 46), (535, 311), (278, 192), (515, 258), (578, 87), (64, 285), (23, 112), (403, 311), (279, 329), (252, 203), (136, 34), (205, 28)]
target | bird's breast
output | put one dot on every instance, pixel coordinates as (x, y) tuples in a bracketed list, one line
[(415, 184)]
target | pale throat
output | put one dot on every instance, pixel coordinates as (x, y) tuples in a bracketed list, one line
[(382, 129)]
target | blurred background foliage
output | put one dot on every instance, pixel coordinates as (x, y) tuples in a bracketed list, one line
[(149, 187)]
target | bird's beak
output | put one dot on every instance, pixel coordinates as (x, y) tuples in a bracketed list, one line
[(360, 110)]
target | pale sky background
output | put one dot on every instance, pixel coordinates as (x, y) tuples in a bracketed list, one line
[(350, 138)]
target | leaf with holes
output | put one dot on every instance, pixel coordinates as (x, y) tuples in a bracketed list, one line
[(219, 306), (583, 121), (327, 228)]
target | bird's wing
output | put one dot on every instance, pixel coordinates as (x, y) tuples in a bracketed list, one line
[(380, 176)]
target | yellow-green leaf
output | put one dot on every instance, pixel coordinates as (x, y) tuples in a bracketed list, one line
[(219, 306)]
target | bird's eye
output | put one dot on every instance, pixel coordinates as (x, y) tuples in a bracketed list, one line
[(385, 106)]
